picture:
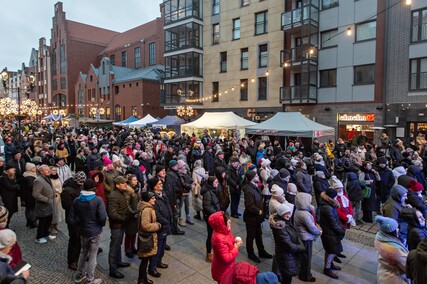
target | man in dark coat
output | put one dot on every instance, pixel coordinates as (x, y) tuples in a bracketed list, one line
[(72, 151), (253, 217), (71, 191), (49, 159), (387, 180), (303, 182), (173, 190), (19, 164), (9, 149), (396, 152), (9, 189), (208, 160), (219, 160), (235, 181)]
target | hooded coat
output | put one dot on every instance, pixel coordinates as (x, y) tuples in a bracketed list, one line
[(416, 232), (320, 185), (416, 263), (147, 223), (241, 273), (393, 209), (354, 187), (303, 181), (224, 251), (332, 233), (100, 190), (210, 200), (304, 219)]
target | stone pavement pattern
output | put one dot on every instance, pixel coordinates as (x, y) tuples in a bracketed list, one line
[(186, 259)]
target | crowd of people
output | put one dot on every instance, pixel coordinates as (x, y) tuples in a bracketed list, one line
[(146, 186)]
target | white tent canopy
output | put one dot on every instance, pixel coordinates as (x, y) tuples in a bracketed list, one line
[(291, 124), (218, 120), (143, 121)]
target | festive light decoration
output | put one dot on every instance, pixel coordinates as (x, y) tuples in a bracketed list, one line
[(10, 107)]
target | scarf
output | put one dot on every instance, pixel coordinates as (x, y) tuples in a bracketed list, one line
[(54, 176), (391, 240), (29, 174), (344, 200)]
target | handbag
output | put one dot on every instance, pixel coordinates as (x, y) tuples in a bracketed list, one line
[(145, 242), (366, 192)]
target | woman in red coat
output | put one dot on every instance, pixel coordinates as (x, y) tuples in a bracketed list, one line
[(345, 211), (224, 246), (98, 177)]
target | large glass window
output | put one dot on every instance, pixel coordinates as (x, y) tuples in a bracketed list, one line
[(215, 34), (326, 4), (192, 91), (152, 53), (262, 88), (328, 78), (62, 59), (124, 59), (261, 23), (54, 68), (184, 65), (364, 74), (419, 25), (175, 10), (223, 62), (63, 83), (366, 31), (263, 55), (215, 7), (244, 59), (183, 36), (329, 38), (418, 79), (215, 91), (112, 59), (137, 52), (236, 29), (244, 89)]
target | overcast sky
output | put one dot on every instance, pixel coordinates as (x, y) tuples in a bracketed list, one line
[(23, 22)]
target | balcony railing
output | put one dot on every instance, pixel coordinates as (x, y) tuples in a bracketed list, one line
[(300, 16), (298, 55), (299, 94)]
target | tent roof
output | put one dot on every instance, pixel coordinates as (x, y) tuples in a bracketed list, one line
[(143, 121), (126, 121), (169, 120), (219, 120), (291, 124)]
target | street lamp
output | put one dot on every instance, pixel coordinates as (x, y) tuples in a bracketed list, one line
[(186, 112)]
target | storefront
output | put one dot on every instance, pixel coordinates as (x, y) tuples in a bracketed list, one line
[(416, 127), (355, 124)]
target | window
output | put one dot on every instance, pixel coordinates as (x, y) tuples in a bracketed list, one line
[(244, 89), (364, 74), (113, 59), (62, 59), (419, 25), (366, 31), (54, 84), (134, 111), (63, 83), (124, 59), (215, 34), (223, 62), (245, 2), (263, 55), (236, 29), (262, 88), (54, 61), (244, 59), (215, 88), (326, 4), (329, 38), (328, 78), (152, 53), (261, 23), (137, 52), (215, 7), (418, 79), (116, 90), (118, 112)]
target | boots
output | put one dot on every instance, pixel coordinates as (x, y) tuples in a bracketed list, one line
[(209, 257), (53, 229), (181, 222), (330, 273)]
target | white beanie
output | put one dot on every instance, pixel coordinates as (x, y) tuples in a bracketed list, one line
[(115, 158), (336, 183), (135, 163), (7, 238), (276, 190), (292, 188), (282, 209), (398, 171), (265, 162)]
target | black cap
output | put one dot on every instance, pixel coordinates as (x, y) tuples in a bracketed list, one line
[(89, 185), (250, 175), (8, 167), (234, 159), (153, 182), (159, 168), (147, 195)]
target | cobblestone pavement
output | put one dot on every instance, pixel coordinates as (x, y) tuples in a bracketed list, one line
[(186, 259)]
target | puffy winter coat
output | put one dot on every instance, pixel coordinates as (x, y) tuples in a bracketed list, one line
[(303, 181), (241, 273), (148, 224), (320, 185), (343, 212), (416, 263), (70, 192), (224, 251), (288, 246), (253, 204), (416, 232), (354, 187), (117, 209), (329, 221), (387, 182), (210, 201), (303, 217), (416, 202), (9, 190), (163, 215)]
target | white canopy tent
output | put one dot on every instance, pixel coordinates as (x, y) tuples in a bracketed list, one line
[(218, 120), (143, 121), (292, 124)]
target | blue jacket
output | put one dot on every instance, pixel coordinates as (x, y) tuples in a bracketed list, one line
[(88, 212)]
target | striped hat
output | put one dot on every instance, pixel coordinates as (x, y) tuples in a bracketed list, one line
[(4, 213)]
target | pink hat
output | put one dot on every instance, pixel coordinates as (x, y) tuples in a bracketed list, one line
[(415, 186), (107, 161)]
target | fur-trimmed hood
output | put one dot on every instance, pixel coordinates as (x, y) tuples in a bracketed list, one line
[(276, 222), (329, 200)]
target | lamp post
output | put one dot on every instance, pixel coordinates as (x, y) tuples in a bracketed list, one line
[(31, 78)]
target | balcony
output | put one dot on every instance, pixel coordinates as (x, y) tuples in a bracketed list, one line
[(307, 15), (297, 56), (299, 94)]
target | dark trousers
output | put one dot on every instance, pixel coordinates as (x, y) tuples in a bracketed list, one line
[(115, 253), (286, 279), (254, 232), (235, 200), (305, 272), (9, 217), (43, 228), (143, 269), (161, 243), (266, 205), (30, 214), (71, 162), (209, 238), (74, 244), (175, 216), (130, 243)]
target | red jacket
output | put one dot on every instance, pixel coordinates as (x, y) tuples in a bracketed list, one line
[(241, 273), (224, 251), (15, 253), (99, 185), (344, 211)]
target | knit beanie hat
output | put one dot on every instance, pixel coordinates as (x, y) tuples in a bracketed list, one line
[(292, 188), (415, 186), (319, 174), (4, 214), (282, 209), (153, 182), (398, 190), (7, 238), (89, 185), (115, 159), (284, 173), (135, 163), (147, 195), (80, 177), (107, 161), (159, 168), (332, 193), (276, 190), (250, 175), (387, 225), (172, 163), (336, 183), (266, 278), (29, 166), (251, 166)]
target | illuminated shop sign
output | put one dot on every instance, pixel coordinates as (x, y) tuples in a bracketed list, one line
[(356, 117)]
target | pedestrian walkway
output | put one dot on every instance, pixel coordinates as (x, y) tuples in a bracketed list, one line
[(186, 259)]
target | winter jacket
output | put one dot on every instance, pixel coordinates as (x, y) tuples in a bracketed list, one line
[(88, 213), (416, 263), (303, 181), (208, 162), (9, 190), (416, 232), (253, 205), (222, 189), (241, 273), (303, 217), (163, 215), (224, 251), (403, 180), (280, 182), (100, 188), (288, 246), (343, 212), (147, 223), (387, 182), (396, 154), (135, 170), (210, 201), (109, 177), (70, 192), (172, 187), (27, 190), (354, 187), (235, 179), (132, 198), (117, 209), (332, 233), (44, 194), (416, 173), (416, 202), (7, 275), (320, 185)]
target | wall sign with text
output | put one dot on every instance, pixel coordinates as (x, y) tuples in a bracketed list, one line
[(356, 117)]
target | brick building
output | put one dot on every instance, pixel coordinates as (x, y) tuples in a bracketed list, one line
[(43, 83)]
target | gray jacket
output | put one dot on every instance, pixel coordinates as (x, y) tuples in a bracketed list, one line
[(303, 218), (44, 194), (304, 183)]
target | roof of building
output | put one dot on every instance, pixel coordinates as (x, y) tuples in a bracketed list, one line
[(90, 34), (119, 71), (152, 73), (83, 76), (133, 35), (95, 70)]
